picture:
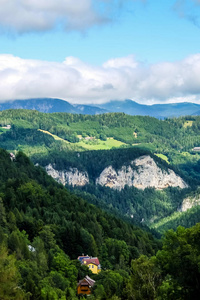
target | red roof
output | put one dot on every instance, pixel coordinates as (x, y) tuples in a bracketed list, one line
[(92, 260)]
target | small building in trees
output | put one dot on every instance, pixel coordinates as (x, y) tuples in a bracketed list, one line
[(81, 257), (85, 286), (91, 262)]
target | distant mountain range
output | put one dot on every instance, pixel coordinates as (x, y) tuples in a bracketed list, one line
[(50, 105), (157, 110)]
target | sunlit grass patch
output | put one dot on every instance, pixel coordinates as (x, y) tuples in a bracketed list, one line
[(164, 157)]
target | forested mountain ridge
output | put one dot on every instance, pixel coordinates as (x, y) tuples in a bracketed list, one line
[(59, 135), (142, 172), (158, 198), (43, 227), (173, 139)]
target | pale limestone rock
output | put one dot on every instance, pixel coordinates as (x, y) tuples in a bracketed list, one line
[(72, 176), (149, 174), (141, 173), (116, 180), (146, 174), (189, 203)]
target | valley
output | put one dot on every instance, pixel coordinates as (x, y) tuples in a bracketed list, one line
[(122, 182), (99, 150), (79, 148)]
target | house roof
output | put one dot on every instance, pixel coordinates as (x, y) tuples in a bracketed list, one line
[(87, 281), (92, 260), (80, 258)]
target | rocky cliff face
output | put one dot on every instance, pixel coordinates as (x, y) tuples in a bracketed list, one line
[(141, 173), (146, 174), (189, 203), (72, 176)]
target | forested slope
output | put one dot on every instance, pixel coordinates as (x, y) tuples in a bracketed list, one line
[(174, 138), (47, 137), (147, 206), (45, 226)]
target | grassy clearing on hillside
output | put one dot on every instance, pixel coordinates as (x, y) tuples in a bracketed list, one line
[(164, 157), (57, 138), (188, 124), (98, 144), (94, 144)]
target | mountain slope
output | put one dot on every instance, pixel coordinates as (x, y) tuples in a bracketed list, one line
[(50, 105), (175, 138), (130, 182), (157, 110), (46, 227), (63, 138)]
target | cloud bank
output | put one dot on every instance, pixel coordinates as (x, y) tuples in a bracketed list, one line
[(119, 78), (22, 16)]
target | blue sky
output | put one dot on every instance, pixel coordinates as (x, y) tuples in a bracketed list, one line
[(96, 51)]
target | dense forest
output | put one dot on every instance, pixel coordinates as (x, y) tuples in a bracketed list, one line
[(173, 138), (44, 227), (142, 206), (37, 213), (67, 140)]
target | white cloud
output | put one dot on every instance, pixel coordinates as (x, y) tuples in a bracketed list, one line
[(22, 16), (40, 15), (118, 78)]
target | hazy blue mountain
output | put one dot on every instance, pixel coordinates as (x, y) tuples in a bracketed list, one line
[(127, 106), (157, 110), (89, 110), (175, 109), (197, 113), (50, 105)]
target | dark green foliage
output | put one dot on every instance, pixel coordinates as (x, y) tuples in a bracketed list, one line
[(94, 162), (187, 219), (24, 136), (9, 276), (170, 137), (179, 259), (173, 273), (46, 226), (133, 204), (173, 137)]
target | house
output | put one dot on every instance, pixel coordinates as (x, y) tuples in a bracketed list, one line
[(85, 286), (92, 263), (6, 126), (196, 149), (80, 258)]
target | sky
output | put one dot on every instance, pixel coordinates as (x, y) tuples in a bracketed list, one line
[(94, 51)]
